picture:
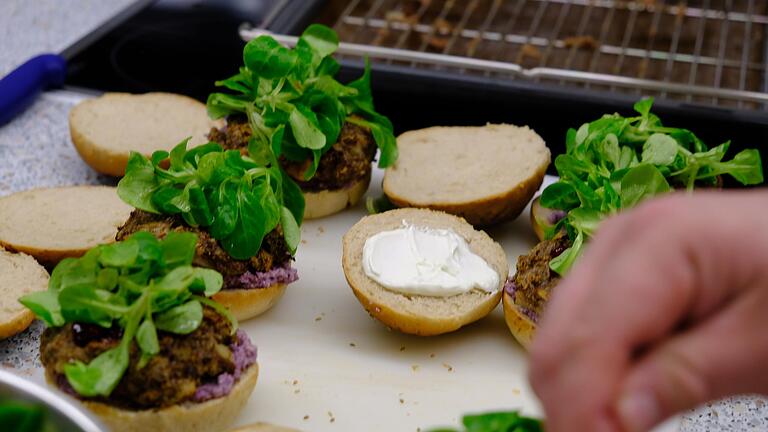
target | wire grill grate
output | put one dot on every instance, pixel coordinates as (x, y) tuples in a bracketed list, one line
[(702, 51)]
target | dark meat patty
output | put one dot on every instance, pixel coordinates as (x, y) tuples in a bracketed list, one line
[(170, 377), (348, 161), (534, 279), (209, 253)]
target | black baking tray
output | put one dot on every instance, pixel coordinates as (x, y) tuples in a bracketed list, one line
[(416, 98)]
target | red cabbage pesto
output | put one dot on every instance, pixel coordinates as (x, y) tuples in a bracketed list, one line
[(243, 356)]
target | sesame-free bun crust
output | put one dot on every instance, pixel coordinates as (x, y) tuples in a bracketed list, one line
[(328, 202), (106, 129), (20, 275), (519, 324), (415, 314), (57, 223), (215, 415), (484, 174), (248, 303)]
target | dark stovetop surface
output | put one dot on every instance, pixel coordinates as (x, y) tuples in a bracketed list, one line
[(179, 46)]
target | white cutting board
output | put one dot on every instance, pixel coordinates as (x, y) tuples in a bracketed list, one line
[(387, 381)]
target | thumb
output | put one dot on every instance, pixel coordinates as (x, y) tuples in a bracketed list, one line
[(721, 356)]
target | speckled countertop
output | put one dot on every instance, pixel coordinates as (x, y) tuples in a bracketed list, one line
[(36, 151)]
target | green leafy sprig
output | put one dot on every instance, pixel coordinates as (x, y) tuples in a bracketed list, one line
[(238, 199), (497, 422), (616, 162), (141, 285), (293, 102)]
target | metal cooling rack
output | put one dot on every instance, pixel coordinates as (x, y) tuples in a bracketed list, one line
[(710, 52)]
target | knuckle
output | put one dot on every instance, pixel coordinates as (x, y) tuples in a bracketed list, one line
[(655, 210), (683, 382)]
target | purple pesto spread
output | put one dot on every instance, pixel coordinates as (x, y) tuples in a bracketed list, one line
[(510, 288), (556, 216), (244, 355), (285, 274)]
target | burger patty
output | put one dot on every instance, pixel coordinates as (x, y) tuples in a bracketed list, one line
[(209, 253), (534, 279), (346, 162), (170, 377)]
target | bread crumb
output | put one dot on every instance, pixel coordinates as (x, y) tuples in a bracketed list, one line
[(402, 401), (318, 318), (432, 355), (303, 242), (581, 41), (447, 366), (415, 367), (530, 51), (402, 348), (516, 391), (332, 418), (306, 417), (295, 382), (352, 344), (320, 229)]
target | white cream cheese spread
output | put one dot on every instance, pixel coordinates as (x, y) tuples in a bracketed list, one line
[(426, 261)]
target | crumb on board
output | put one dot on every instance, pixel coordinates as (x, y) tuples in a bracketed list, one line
[(318, 318), (320, 229), (295, 382), (352, 344), (447, 366), (402, 401), (415, 367), (515, 391), (432, 355), (306, 417), (303, 242), (332, 418), (402, 348)]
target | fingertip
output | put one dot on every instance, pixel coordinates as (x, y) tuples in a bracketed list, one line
[(638, 411)]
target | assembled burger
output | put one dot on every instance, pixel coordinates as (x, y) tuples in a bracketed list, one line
[(133, 333)]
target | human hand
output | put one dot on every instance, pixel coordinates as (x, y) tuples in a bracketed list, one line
[(666, 309)]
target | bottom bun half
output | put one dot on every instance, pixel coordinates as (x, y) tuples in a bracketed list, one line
[(214, 415), (328, 202), (248, 303), (522, 327)]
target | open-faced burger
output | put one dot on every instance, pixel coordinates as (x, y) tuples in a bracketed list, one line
[(133, 333), (610, 165), (325, 133), (244, 210)]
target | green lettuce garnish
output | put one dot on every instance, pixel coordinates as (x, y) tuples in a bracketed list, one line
[(616, 162), (238, 199), (294, 104)]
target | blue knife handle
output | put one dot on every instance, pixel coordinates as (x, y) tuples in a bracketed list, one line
[(19, 88)]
